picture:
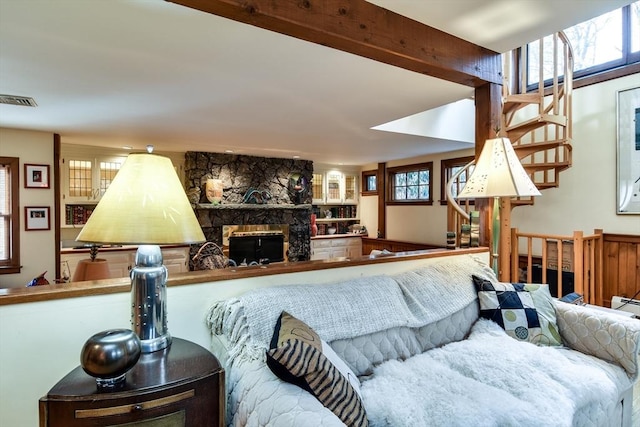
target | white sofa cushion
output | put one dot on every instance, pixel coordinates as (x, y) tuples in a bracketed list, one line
[(491, 379)]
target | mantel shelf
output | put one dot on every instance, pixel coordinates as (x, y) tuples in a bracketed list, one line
[(250, 206)]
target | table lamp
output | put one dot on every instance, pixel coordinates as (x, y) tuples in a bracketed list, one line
[(498, 173), (145, 205)]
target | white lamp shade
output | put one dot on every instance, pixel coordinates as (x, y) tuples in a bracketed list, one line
[(145, 204), (498, 173)]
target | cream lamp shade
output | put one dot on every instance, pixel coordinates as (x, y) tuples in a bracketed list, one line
[(498, 173), (145, 204)]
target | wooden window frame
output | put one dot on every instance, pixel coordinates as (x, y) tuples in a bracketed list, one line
[(445, 174), (365, 188), (629, 63), (12, 265), (391, 172)]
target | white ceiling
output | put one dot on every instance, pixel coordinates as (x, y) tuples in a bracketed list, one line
[(115, 73)]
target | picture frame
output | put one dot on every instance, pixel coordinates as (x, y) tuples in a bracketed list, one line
[(36, 176), (37, 218), (628, 152)]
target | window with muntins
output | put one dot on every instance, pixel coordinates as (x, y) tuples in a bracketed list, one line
[(410, 184), (369, 183), (9, 216), (607, 42), (449, 168)]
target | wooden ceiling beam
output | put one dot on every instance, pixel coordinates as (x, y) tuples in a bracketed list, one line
[(365, 29)]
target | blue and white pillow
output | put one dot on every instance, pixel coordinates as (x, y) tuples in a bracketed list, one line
[(524, 311)]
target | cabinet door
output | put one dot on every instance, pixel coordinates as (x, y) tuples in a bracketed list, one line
[(350, 188), (317, 188), (175, 259), (354, 250), (119, 262), (322, 253), (77, 180), (335, 187)]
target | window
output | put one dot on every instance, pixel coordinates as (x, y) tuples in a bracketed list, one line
[(370, 183), (9, 216), (609, 41), (449, 168), (410, 184)]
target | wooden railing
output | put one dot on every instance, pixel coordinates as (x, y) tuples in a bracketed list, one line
[(579, 255)]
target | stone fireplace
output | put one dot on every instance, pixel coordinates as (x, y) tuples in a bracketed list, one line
[(286, 205)]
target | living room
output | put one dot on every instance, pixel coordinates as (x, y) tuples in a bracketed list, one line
[(585, 200)]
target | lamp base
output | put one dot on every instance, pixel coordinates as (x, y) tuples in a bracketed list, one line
[(149, 299), (87, 269)]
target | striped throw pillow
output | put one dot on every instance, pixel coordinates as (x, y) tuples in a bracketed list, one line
[(297, 355)]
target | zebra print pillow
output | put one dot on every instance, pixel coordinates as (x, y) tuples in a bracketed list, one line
[(297, 355)]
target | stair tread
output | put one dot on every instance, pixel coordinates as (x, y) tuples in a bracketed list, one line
[(513, 103), (533, 167), (538, 121)]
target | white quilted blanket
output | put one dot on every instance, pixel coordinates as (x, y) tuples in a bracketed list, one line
[(492, 380)]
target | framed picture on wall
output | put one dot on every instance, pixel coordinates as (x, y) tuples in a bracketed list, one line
[(628, 191), (37, 218), (36, 176)]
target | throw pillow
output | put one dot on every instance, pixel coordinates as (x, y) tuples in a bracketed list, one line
[(524, 311), (298, 355)]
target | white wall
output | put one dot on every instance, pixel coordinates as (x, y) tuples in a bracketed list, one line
[(420, 224), (585, 200), (41, 341), (37, 248)]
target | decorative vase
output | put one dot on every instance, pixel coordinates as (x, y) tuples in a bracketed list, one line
[(108, 355), (214, 190), (314, 226), (87, 269)]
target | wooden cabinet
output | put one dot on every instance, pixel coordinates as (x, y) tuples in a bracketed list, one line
[(335, 187), (182, 385), (121, 260), (336, 247)]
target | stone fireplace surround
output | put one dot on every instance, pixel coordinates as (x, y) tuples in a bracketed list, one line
[(241, 173)]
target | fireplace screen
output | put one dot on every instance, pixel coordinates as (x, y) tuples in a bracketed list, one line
[(256, 247)]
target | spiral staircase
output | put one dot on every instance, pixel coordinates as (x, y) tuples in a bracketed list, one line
[(538, 122)]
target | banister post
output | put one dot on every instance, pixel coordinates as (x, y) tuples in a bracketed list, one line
[(578, 266)]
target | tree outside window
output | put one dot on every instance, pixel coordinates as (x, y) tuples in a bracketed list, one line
[(410, 184)]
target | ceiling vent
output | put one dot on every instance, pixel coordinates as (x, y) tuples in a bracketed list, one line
[(25, 101)]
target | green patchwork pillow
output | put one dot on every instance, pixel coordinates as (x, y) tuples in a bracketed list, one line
[(524, 311), (297, 355)]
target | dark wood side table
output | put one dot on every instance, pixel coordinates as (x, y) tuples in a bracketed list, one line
[(182, 385)]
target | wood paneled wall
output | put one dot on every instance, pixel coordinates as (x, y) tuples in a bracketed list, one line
[(621, 266)]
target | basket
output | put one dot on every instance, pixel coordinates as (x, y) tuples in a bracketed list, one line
[(209, 257)]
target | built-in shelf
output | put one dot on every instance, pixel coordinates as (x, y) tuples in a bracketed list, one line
[(250, 206), (336, 219)]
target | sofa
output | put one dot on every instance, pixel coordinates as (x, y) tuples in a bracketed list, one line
[(425, 351)]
